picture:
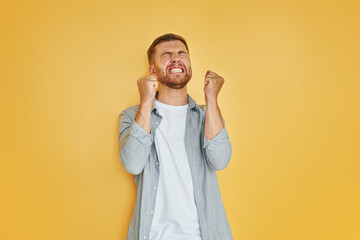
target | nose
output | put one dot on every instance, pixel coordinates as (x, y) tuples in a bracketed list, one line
[(175, 58)]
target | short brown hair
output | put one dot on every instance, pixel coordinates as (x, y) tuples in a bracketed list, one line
[(164, 38)]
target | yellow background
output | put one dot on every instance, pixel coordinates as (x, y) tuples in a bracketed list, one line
[(290, 101)]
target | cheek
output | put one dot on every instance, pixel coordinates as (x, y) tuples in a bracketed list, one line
[(186, 60), (187, 63), (161, 66), (164, 64)]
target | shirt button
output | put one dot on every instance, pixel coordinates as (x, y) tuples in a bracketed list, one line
[(154, 188), (144, 237), (157, 123), (152, 212), (157, 163)]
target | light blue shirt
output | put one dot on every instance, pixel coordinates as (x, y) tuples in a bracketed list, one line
[(138, 156)]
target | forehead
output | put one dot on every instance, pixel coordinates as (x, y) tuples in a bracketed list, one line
[(174, 45)]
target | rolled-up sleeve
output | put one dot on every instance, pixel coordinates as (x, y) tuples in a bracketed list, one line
[(135, 144), (218, 150)]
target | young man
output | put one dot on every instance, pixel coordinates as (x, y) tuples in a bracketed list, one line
[(173, 147)]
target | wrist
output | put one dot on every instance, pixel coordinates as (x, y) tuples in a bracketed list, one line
[(146, 102), (146, 106), (210, 100)]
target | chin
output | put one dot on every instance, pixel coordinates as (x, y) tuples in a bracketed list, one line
[(176, 83)]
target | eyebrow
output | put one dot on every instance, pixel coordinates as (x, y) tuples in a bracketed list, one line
[(180, 51), (164, 53)]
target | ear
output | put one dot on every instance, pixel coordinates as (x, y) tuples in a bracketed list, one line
[(151, 70)]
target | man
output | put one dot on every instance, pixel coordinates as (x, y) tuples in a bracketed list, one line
[(173, 147)]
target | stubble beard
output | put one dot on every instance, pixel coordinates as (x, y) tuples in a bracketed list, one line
[(175, 84)]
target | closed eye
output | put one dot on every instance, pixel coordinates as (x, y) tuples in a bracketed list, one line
[(165, 54)]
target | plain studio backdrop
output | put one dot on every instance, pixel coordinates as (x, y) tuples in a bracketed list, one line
[(290, 102)]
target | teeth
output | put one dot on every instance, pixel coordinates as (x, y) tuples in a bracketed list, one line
[(176, 70)]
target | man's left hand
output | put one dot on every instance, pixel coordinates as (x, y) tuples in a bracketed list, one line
[(212, 85)]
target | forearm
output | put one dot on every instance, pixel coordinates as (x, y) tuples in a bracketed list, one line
[(143, 115), (217, 145), (213, 119)]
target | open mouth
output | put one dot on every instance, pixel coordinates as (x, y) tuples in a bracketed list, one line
[(176, 70)]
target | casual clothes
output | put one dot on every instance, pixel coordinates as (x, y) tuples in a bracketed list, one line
[(138, 155)]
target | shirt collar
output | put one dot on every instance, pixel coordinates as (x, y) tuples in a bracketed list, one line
[(191, 102)]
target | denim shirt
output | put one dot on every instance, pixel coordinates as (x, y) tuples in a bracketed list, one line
[(138, 156)]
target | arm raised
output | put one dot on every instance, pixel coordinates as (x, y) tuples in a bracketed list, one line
[(134, 128), (216, 140)]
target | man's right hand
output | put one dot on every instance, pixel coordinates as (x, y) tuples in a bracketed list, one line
[(147, 88)]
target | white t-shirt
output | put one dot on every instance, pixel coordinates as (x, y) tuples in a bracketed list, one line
[(175, 215)]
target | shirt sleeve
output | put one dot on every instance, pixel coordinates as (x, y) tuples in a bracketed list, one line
[(134, 144), (218, 150), (139, 133)]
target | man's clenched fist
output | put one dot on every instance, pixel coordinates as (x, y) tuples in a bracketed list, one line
[(212, 85), (147, 88)]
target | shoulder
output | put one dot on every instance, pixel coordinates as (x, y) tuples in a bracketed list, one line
[(201, 108), (194, 107)]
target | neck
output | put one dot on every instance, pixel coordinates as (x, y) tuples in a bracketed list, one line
[(175, 97)]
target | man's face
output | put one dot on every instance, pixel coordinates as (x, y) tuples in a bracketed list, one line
[(171, 64)]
